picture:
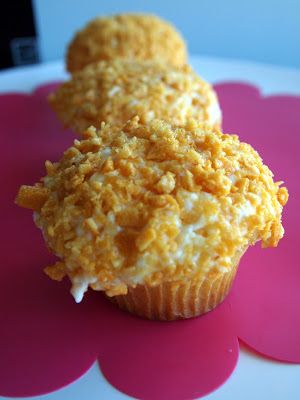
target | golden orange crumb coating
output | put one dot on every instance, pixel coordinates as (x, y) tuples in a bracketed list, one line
[(117, 91), (32, 197), (129, 36), (151, 203)]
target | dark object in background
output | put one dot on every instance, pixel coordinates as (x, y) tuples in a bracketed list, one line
[(18, 44)]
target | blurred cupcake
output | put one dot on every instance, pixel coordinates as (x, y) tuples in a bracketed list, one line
[(126, 36), (156, 217), (117, 91)]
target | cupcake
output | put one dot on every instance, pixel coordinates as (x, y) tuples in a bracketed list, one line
[(155, 216), (117, 91), (129, 36)]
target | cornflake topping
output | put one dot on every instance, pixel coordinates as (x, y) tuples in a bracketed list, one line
[(126, 36), (148, 203), (119, 90)]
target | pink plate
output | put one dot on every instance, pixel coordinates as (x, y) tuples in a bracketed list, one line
[(266, 296), (47, 341)]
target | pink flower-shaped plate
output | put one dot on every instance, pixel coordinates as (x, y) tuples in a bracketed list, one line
[(47, 341)]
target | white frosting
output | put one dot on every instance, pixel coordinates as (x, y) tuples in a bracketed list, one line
[(232, 178), (183, 104), (113, 91), (187, 236), (246, 210), (150, 115), (80, 285), (133, 102), (97, 177), (189, 201), (106, 152), (214, 112)]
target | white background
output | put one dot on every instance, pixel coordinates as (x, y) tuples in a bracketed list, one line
[(259, 30)]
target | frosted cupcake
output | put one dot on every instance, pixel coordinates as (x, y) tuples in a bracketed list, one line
[(117, 91), (129, 36), (156, 217)]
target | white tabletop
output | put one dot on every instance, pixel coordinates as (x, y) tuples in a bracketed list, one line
[(255, 377)]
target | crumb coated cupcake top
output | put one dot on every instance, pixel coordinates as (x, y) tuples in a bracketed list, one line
[(117, 91), (151, 203), (130, 36)]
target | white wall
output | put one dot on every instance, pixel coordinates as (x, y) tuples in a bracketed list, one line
[(259, 30)]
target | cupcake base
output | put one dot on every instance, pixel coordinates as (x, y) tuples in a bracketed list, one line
[(177, 300)]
